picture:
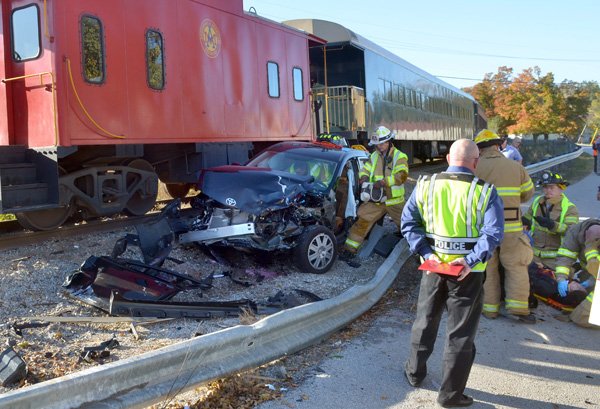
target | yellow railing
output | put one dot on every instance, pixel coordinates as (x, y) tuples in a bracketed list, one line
[(54, 109)]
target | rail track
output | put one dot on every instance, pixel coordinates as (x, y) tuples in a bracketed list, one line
[(13, 235)]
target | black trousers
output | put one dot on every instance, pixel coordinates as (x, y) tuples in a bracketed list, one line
[(464, 301)]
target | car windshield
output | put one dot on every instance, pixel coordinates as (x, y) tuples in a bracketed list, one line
[(289, 161)]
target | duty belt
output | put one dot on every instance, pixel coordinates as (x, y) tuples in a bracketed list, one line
[(544, 253)]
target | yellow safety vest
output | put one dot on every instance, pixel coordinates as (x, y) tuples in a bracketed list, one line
[(564, 204), (371, 166), (452, 206)]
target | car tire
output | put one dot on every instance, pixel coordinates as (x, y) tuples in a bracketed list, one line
[(316, 250)]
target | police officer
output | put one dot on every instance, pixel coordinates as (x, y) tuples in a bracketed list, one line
[(514, 187), (457, 218), (387, 168), (582, 243), (548, 218)]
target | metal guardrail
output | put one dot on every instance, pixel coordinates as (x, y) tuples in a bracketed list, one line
[(539, 166), (151, 377)]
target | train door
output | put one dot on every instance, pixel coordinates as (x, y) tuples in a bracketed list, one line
[(5, 106), (30, 78)]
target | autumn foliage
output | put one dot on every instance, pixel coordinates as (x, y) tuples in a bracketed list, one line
[(532, 103)]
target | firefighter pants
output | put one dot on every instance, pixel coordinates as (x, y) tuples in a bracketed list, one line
[(581, 314), (514, 254), (368, 214), (463, 300)]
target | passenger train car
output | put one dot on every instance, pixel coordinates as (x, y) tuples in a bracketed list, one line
[(101, 99), (360, 85)]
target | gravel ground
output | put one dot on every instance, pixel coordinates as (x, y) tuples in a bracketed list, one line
[(31, 286)]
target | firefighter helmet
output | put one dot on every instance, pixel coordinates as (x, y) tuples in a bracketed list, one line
[(551, 178), (381, 135), (487, 138)]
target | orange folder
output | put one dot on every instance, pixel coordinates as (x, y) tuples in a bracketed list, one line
[(441, 268)]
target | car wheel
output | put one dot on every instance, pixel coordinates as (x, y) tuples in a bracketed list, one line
[(316, 250)]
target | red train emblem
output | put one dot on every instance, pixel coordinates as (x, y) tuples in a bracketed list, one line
[(210, 37)]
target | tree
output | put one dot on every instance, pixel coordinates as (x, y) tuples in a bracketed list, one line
[(532, 103)]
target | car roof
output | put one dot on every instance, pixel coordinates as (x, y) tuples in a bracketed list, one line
[(318, 150)]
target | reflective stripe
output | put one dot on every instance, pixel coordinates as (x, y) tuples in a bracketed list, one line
[(590, 296), (491, 307), (352, 243), (430, 200), (470, 196), (513, 227), (516, 304), (562, 270), (527, 186), (567, 253), (591, 254), (394, 201), (544, 253), (481, 204), (571, 219), (508, 191)]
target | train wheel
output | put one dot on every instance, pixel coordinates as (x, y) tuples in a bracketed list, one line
[(48, 219), (178, 190), (144, 198)]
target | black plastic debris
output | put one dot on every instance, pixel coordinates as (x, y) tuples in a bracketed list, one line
[(99, 352), (12, 367)]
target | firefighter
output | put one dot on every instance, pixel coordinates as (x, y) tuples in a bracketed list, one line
[(387, 169), (582, 243), (548, 218), (595, 148), (514, 187)]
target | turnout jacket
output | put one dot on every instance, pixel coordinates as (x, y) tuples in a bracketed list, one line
[(454, 214), (575, 247), (512, 182), (393, 167), (547, 241)]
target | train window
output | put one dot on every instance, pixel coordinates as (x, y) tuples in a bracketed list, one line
[(92, 49), (25, 24), (154, 60), (273, 79), (298, 84)]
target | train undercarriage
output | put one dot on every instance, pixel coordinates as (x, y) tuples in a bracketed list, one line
[(44, 188)]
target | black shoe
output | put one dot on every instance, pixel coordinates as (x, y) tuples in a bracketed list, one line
[(464, 400), (349, 258), (525, 319), (412, 382)]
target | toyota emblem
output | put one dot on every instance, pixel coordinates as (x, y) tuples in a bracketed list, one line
[(230, 201)]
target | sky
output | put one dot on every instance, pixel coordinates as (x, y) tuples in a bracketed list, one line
[(460, 41)]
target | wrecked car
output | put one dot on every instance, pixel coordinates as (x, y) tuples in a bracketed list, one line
[(294, 196)]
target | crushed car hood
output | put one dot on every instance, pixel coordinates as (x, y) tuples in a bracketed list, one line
[(254, 190)]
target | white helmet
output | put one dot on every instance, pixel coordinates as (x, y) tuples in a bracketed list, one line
[(381, 135)]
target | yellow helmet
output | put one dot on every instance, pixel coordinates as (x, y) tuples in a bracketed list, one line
[(487, 138)]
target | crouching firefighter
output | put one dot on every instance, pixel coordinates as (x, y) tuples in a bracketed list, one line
[(386, 170), (582, 242)]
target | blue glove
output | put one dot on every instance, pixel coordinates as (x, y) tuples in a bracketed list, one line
[(586, 284), (563, 287)]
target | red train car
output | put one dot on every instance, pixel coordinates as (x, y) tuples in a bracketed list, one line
[(101, 98)]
